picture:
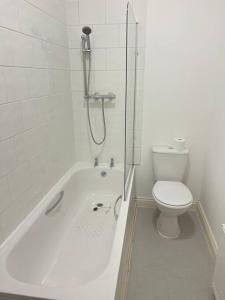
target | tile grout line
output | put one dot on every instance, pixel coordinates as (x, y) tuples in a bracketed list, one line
[(45, 12), (34, 37)]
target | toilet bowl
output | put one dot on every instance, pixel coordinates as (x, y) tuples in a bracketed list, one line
[(172, 198)]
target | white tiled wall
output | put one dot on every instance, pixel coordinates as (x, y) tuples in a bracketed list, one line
[(40, 63), (107, 20), (36, 129), (108, 65)]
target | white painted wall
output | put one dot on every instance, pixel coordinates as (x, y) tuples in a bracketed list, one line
[(36, 130), (182, 41), (213, 188)]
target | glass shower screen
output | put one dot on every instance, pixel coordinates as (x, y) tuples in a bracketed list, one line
[(130, 90)]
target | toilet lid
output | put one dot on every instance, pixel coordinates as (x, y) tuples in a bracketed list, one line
[(172, 193)]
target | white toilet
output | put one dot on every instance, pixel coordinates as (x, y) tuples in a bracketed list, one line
[(172, 197)]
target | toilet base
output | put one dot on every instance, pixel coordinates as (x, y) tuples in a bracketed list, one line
[(168, 226)]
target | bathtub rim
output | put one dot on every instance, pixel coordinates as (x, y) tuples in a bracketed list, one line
[(108, 278)]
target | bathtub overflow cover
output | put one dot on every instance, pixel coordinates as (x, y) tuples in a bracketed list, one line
[(103, 173)]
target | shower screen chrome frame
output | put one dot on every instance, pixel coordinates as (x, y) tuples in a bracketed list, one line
[(128, 171)]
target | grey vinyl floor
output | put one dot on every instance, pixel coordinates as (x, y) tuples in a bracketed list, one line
[(164, 269)]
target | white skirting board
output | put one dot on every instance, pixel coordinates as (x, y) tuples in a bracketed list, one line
[(150, 203), (145, 202), (207, 229), (219, 272)]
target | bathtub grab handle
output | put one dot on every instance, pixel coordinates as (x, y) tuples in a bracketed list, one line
[(115, 205), (53, 206)]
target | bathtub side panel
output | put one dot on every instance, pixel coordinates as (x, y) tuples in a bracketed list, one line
[(121, 289)]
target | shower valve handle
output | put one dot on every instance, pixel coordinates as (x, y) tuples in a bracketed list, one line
[(97, 96)]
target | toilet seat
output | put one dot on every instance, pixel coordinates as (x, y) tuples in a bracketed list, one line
[(172, 193)]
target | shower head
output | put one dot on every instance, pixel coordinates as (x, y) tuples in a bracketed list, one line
[(86, 30)]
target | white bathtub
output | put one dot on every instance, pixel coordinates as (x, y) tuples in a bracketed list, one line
[(72, 251)]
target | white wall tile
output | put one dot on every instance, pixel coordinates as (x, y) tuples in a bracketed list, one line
[(5, 197), (110, 81), (33, 143), (19, 149), (22, 50), (54, 8), (9, 14), (122, 35), (106, 36), (11, 154), (6, 50), (1, 235), (38, 175), (3, 89), (75, 59), (43, 109), (40, 53), (116, 59), (10, 120), (74, 34), (72, 12), (28, 17), (39, 82), (77, 83), (16, 212), (92, 12), (141, 58), (16, 83), (99, 59), (20, 180), (7, 157), (29, 113), (116, 11)]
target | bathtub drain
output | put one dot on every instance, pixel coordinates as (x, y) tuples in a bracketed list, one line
[(103, 173)]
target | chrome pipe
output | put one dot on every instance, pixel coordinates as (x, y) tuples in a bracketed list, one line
[(86, 52)]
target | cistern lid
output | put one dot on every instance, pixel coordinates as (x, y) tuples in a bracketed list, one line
[(172, 193), (168, 150)]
